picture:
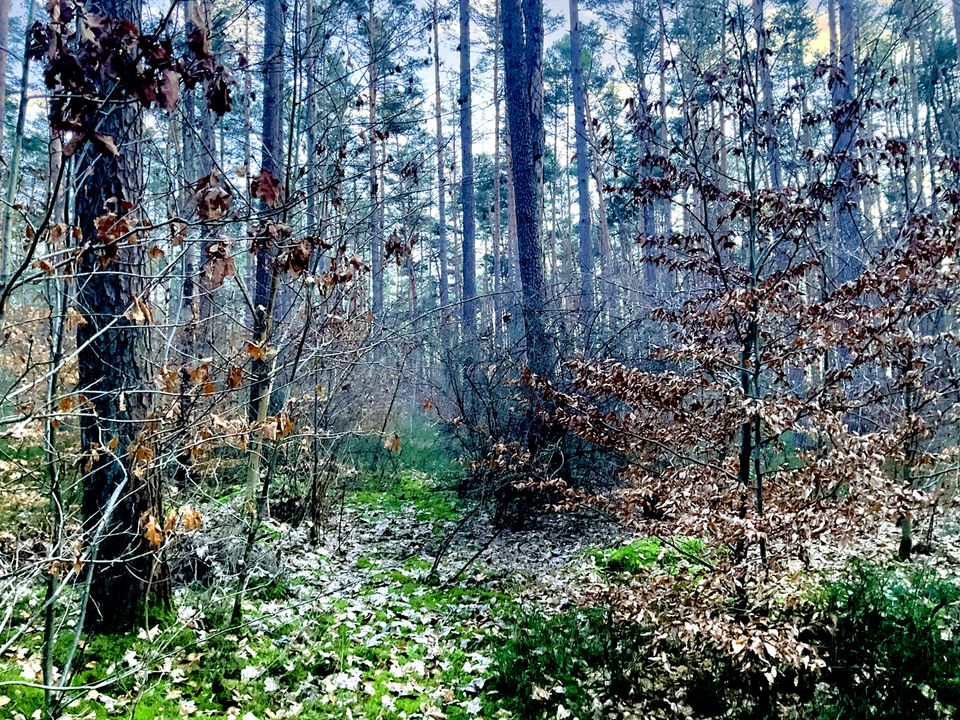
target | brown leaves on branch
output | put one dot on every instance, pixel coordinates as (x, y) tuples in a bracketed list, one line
[(218, 264), (178, 520), (267, 188), (92, 61), (275, 427), (211, 198)]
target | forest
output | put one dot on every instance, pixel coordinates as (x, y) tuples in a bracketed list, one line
[(426, 359)]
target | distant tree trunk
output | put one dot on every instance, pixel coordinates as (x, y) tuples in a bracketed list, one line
[(4, 52), (846, 113), (608, 266), (583, 168), (441, 179), (251, 263), (113, 368), (495, 206), (523, 75), (208, 153), (466, 179), (766, 84), (310, 115), (272, 161), (956, 25), (376, 239), (13, 176)]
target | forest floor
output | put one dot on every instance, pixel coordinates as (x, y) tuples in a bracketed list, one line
[(354, 618), (356, 623)]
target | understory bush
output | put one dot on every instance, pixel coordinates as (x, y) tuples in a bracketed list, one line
[(892, 645), (574, 659), (890, 641)]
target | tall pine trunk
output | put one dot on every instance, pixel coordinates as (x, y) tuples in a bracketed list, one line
[(441, 180), (583, 170), (466, 179), (375, 223), (845, 108), (523, 75), (271, 161)]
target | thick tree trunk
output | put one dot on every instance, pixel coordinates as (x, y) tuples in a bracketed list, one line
[(118, 494), (466, 179), (523, 74)]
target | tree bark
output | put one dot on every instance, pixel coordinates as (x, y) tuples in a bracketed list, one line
[(441, 179), (956, 25), (13, 178), (497, 230), (271, 161), (523, 74), (113, 368), (376, 229), (4, 39), (466, 179), (583, 170), (845, 110), (766, 85)]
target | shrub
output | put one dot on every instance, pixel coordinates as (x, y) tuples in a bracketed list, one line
[(569, 659), (892, 644)]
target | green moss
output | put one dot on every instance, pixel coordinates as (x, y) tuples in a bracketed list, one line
[(424, 448), (647, 552), (23, 699)]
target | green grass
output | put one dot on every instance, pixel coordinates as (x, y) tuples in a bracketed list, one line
[(423, 448), (408, 489)]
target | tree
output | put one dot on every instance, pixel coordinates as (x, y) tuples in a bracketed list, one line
[(269, 183), (846, 115), (119, 497), (583, 167), (376, 203), (523, 76), (444, 294), (466, 179)]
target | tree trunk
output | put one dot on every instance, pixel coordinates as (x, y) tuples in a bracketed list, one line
[(13, 178), (376, 239), (466, 179), (207, 155), (583, 169), (4, 39), (441, 179), (271, 161), (495, 205), (523, 75), (956, 25), (845, 109), (118, 492), (766, 85)]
